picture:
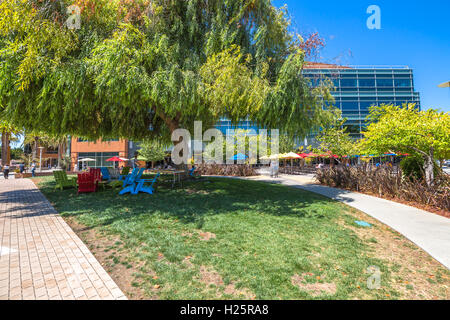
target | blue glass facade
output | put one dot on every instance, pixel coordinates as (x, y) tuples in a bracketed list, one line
[(356, 89)]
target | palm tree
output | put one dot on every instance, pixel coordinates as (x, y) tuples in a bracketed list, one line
[(8, 133), (48, 141)]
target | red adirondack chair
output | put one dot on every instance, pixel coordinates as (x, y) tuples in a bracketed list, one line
[(86, 182), (97, 172)]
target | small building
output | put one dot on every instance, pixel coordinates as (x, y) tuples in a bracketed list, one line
[(100, 151)]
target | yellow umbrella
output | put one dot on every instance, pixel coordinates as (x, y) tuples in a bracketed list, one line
[(274, 156), (291, 155), (444, 85)]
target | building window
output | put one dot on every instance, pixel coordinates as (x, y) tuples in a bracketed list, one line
[(365, 105), (403, 83), (350, 106), (348, 83), (87, 140), (384, 83), (367, 83), (100, 159)]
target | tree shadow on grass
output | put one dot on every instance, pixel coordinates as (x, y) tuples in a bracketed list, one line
[(191, 203)]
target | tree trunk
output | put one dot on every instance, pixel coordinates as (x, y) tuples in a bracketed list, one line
[(59, 154), (429, 168), (35, 147), (5, 148)]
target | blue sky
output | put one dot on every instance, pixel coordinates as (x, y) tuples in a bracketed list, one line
[(415, 33)]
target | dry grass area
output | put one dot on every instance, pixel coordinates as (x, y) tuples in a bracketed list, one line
[(109, 251), (316, 288), (416, 275)]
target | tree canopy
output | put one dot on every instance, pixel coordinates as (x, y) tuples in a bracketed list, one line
[(152, 150), (334, 138), (141, 69), (405, 129)]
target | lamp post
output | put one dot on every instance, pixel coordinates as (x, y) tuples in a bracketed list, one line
[(40, 159)]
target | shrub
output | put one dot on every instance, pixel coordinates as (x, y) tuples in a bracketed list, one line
[(226, 170), (385, 181), (412, 167)]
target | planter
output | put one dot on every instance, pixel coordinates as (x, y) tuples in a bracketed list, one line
[(22, 175)]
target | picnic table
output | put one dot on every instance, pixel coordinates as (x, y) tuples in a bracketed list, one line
[(177, 175)]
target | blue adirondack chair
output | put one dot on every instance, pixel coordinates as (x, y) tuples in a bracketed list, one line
[(130, 181), (105, 174), (192, 175), (129, 178), (141, 187)]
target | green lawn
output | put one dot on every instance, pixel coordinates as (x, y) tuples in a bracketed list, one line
[(226, 238)]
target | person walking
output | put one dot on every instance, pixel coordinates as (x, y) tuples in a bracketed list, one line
[(6, 171), (33, 169), (21, 167)]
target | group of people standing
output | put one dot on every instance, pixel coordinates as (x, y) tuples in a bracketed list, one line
[(6, 169)]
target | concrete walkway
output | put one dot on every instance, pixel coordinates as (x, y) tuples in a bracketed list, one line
[(40, 256), (428, 231)]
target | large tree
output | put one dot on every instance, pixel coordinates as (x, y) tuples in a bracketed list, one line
[(405, 129), (141, 69)]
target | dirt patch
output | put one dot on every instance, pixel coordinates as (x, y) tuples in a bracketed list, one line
[(210, 277), (315, 289), (206, 236), (187, 261), (187, 234), (108, 250), (415, 274)]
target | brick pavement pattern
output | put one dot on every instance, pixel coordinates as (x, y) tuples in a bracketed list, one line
[(41, 258)]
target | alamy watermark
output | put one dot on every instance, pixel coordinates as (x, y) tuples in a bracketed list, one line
[(374, 20), (74, 20), (374, 281), (241, 146)]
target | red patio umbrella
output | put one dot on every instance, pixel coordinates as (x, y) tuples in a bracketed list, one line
[(312, 155), (116, 159), (303, 155)]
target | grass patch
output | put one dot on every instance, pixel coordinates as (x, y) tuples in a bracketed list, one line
[(234, 239)]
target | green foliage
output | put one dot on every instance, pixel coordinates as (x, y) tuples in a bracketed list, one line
[(248, 143), (140, 69), (406, 130), (17, 153), (287, 143), (152, 150), (334, 138), (412, 167)]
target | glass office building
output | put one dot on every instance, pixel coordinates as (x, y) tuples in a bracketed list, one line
[(356, 89)]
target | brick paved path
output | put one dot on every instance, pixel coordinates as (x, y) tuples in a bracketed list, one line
[(40, 256)]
